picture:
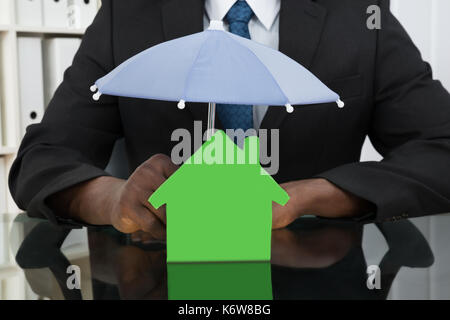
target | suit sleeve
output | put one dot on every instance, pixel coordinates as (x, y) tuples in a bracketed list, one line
[(74, 141), (410, 128)]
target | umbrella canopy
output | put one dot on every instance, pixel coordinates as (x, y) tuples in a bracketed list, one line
[(215, 66)]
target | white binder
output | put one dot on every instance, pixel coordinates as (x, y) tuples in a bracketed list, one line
[(2, 125), (58, 56), (81, 13), (55, 13), (29, 12), (4, 11), (31, 85)]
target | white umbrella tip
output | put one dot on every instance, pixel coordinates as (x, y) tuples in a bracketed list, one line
[(93, 88), (216, 25), (340, 103), (181, 104), (97, 96), (289, 108)]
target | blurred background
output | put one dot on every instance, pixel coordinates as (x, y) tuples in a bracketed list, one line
[(38, 39), (428, 25)]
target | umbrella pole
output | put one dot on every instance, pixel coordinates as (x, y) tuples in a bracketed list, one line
[(211, 120)]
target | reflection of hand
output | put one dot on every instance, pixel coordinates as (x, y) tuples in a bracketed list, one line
[(141, 274), (317, 197), (318, 248), (137, 273)]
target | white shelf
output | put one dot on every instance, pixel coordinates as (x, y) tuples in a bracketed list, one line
[(41, 30), (9, 82), (9, 271), (5, 151), (46, 30)]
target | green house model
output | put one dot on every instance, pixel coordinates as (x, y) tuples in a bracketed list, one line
[(219, 204)]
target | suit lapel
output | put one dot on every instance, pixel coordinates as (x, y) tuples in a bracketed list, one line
[(181, 18), (301, 24)]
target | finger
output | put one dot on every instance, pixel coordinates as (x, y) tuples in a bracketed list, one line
[(163, 164), (143, 197), (154, 172), (278, 218), (142, 187), (169, 168), (160, 212), (136, 236), (148, 222), (147, 177), (147, 238)]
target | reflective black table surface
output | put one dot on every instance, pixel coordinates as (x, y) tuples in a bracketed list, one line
[(312, 259)]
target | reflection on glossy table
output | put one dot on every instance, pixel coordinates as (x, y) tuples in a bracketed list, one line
[(312, 259)]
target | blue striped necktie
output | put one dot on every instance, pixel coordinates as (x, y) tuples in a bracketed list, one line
[(234, 116)]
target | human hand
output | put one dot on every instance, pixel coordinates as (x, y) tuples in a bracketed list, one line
[(318, 197), (131, 210), (120, 203)]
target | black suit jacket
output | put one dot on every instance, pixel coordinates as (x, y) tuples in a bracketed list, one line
[(388, 90)]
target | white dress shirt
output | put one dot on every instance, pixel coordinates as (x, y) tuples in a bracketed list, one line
[(263, 27)]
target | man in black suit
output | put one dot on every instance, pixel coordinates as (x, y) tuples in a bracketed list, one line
[(389, 93)]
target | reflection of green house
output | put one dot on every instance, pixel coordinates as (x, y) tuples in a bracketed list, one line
[(219, 204), (219, 281)]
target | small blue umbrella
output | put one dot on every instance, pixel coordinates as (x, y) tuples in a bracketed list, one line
[(215, 66)]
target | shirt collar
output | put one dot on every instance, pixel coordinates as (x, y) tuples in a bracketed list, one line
[(265, 10)]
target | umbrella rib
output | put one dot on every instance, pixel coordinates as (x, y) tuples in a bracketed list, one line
[(188, 75), (118, 69), (264, 66)]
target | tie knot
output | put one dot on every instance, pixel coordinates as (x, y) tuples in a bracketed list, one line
[(239, 12)]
